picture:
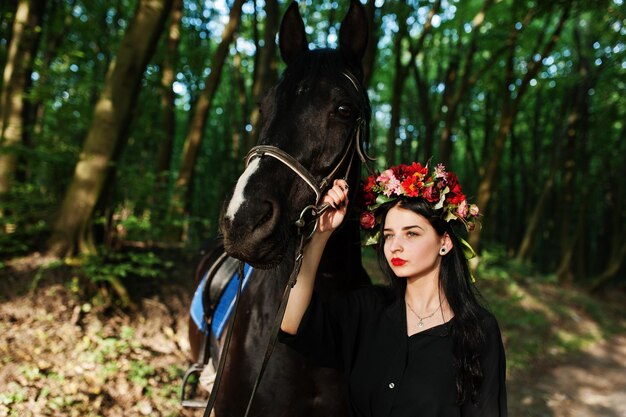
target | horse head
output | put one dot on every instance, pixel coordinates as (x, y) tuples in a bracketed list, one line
[(311, 115)]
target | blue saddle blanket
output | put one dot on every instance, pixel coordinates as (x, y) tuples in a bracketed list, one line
[(225, 305)]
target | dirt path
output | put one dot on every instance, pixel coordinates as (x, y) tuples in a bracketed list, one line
[(588, 384)]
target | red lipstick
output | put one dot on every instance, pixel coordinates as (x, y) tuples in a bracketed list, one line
[(397, 261)]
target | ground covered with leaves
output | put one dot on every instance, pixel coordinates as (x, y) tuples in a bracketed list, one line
[(66, 354), (68, 350)]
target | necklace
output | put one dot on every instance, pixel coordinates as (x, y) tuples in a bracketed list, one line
[(421, 319)]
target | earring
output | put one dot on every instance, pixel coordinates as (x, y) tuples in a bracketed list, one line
[(442, 251)]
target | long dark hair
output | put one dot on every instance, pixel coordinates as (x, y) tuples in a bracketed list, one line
[(462, 296)]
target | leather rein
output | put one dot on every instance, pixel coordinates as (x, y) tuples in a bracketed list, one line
[(355, 145)]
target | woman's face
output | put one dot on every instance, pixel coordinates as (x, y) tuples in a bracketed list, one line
[(412, 246)]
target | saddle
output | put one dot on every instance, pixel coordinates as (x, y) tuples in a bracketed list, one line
[(211, 307)]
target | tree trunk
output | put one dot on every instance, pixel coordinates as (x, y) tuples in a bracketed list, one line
[(396, 90), (425, 147), (612, 269), (372, 43), (15, 79), (164, 156), (61, 11), (402, 71), (241, 108), (197, 125), (614, 242), (508, 114), (574, 151), (265, 70), (453, 94), (108, 131)]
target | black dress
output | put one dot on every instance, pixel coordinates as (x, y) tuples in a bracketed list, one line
[(388, 373)]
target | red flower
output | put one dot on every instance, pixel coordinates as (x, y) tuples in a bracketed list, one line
[(453, 183), (371, 182), (431, 194), (411, 187), (367, 220), (369, 198), (417, 168), (455, 199)]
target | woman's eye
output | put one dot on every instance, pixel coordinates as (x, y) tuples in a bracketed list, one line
[(344, 111), (411, 234), (387, 237)]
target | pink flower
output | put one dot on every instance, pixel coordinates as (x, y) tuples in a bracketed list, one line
[(440, 171), (367, 220), (474, 210), (388, 182), (462, 209)]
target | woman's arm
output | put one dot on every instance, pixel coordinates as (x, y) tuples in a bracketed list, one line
[(301, 293)]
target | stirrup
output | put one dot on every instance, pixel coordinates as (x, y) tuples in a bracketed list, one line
[(195, 368)]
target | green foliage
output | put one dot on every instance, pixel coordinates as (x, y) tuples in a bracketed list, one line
[(140, 372), (123, 265), (115, 270), (540, 320), (23, 221)]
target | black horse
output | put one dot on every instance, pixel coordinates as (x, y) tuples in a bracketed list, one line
[(313, 115)]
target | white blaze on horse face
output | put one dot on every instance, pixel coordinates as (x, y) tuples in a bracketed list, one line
[(238, 198)]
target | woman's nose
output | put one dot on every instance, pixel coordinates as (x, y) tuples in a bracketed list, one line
[(395, 245)]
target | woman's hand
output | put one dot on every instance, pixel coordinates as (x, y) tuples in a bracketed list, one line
[(337, 197)]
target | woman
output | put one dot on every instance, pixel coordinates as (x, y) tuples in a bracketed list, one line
[(422, 346)]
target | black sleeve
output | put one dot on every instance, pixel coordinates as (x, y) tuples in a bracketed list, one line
[(328, 331), (492, 394)]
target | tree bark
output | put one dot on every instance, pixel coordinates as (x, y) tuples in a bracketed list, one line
[(265, 70), (399, 79), (164, 156), (113, 112), (401, 73), (372, 43), (453, 94), (425, 147), (574, 150), (612, 269), (53, 41), (197, 125), (238, 123), (15, 80)]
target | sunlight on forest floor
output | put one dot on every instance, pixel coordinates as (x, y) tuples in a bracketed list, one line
[(63, 356)]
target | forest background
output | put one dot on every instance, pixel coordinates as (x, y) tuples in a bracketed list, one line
[(123, 124)]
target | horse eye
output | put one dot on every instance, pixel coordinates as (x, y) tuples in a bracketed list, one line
[(344, 111)]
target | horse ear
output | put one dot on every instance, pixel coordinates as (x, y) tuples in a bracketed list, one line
[(353, 32), (292, 38)]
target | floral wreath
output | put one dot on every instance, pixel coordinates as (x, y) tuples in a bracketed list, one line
[(441, 188)]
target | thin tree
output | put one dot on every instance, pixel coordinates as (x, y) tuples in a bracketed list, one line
[(265, 70), (402, 70), (168, 76), (72, 232), (372, 43), (457, 83), (15, 80), (196, 130)]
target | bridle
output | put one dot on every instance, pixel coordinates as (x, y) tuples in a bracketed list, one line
[(354, 145)]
